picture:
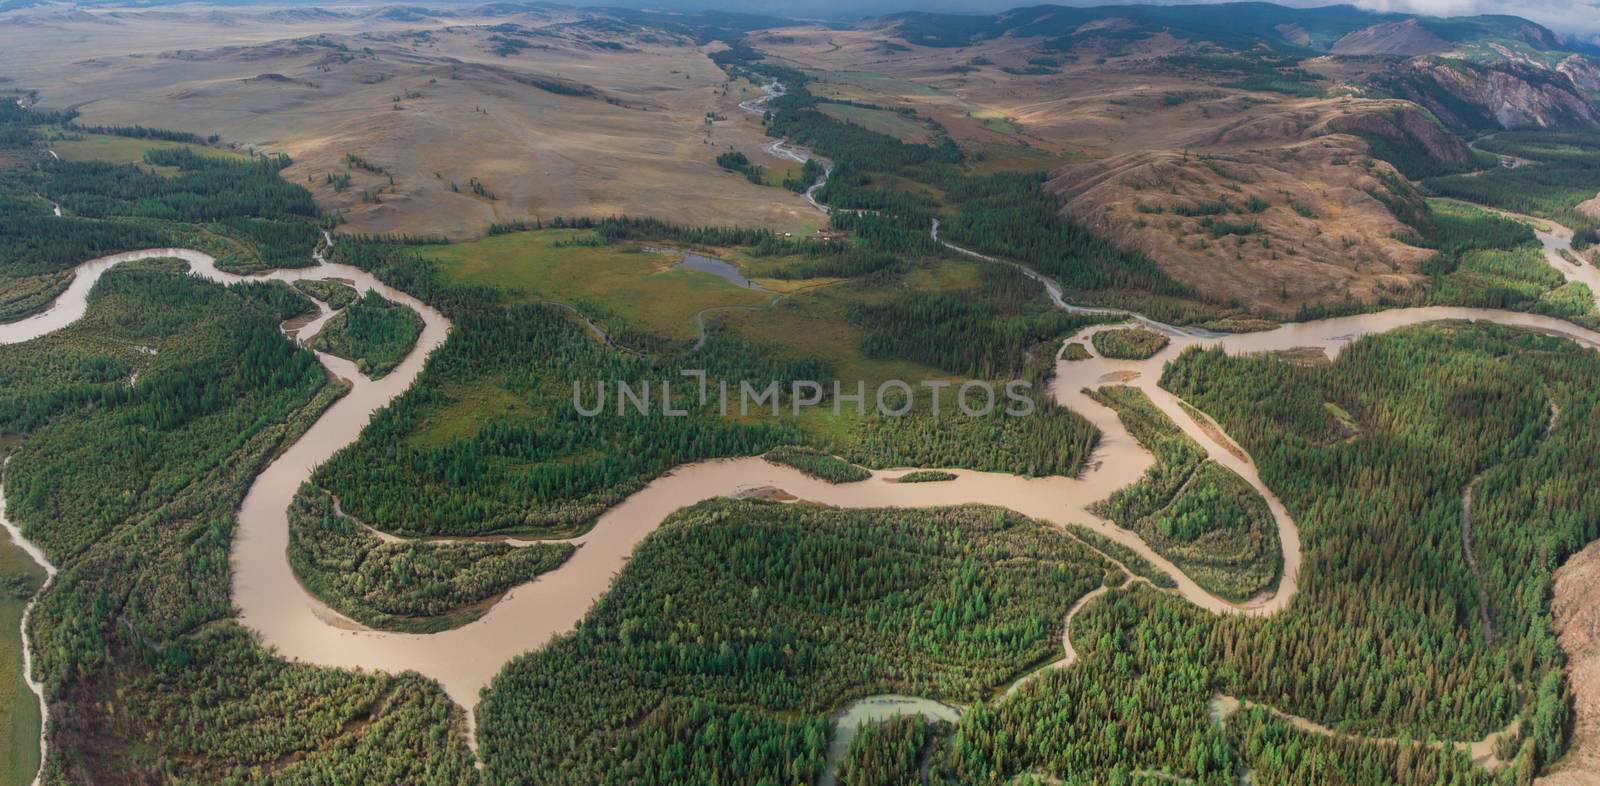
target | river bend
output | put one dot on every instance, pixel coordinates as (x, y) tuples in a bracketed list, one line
[(464, 660)]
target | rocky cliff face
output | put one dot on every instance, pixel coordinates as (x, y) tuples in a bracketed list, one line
[(1584, 74), (1477, 97)]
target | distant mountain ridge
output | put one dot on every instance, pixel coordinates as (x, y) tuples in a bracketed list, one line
[(1334, 29), (1474, 73)]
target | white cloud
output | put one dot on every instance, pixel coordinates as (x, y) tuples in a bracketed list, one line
[(1563, 16)]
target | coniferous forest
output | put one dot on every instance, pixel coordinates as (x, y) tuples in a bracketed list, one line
[(733, 636), (132, 489), (374, 332), (419, 587)]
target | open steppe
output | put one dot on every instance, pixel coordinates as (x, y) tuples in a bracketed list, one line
[(573, 122)]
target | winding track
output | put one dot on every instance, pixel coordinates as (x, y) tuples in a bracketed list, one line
[(1481, 751), (464, 660), (34, 685)]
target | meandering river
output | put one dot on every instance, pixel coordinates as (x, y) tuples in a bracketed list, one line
[(288, 619), (780, 148)]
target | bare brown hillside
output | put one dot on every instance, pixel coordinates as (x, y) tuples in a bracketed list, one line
[(459, 125), (1576, 607), (1259, 195), (1276, 211)]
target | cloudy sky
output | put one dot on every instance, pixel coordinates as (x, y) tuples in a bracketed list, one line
[(1563, 16)]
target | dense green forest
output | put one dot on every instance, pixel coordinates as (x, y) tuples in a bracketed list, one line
[(132, 490), (1561, 169), (1385, 636), (437, 462), (1277, 754), (1487, 260), (737, 625), (37, 250), (1134, 343), (206, 188), (817, 464), (890, 753), (133, 435), (419, 586), (373, 331), (431, 463), (1482, 259), (335, 293), (1201, 515), (242, 212), (1087, 724), (983, 333), (1053, 440)]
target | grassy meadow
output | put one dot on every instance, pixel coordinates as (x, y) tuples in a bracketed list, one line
[(644, 290), (19, 708), (79, 146), (894, 124)]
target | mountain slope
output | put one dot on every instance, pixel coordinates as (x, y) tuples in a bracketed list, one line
[(1338, 29)]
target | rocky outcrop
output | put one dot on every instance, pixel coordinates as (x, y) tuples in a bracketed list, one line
[(1584, 73), (1477, 97)]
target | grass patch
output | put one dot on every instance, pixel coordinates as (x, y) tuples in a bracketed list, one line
[(995, 120), (1075, 351), (902, 127), (1349, 427), (19, 708), (816, 324), (642, 290), (77, 146), (467, 409), (986, 157)]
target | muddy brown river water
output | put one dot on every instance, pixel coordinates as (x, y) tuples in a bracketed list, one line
[(288, 619)]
